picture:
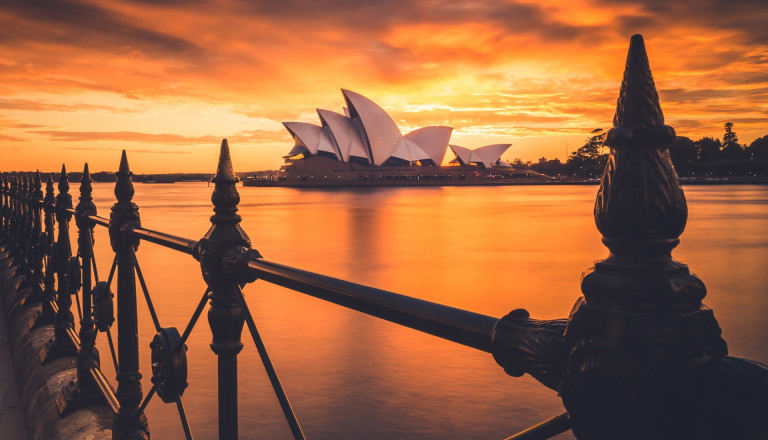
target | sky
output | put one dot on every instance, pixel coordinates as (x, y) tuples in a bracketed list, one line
[(166, 80)]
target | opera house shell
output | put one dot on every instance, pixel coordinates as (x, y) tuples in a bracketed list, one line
[(364, 147)]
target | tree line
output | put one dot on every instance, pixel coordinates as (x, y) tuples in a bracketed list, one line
[(706, 157)]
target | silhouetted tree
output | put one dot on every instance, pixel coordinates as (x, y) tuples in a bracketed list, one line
[(731, 148), (709, 149), (758, 149), (684, 154), (588, 159)]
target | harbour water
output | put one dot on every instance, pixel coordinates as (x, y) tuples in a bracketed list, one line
[(489, 250)]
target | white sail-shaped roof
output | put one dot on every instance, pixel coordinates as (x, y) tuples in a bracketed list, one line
[(408, 150), (462, 154), (345, 135), (380, 130), (297, 149), (487, 155), (433, 140), (313, 137)]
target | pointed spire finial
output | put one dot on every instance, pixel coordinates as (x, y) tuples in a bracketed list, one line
[(63, 180), (640, 208), (85, 206), (124, 187), (639, 120), (37, 186), (123, 164), (50, 197), (225, 197), (225, 170), (85, 185)]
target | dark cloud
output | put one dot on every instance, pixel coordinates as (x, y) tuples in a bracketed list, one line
[(39, 106), (685, 96), (128, 150), (373, 17), (77, 23), (127, 136), (744, 18)]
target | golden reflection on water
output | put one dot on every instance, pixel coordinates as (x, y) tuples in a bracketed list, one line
[(489, 250)]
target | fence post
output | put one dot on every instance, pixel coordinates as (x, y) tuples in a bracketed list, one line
[(49, 253), (646, 356), (64, 321), (16, 212), (4, 200), (224, 242), (87, 356), (37, 239), (123, 218), (24, 232)]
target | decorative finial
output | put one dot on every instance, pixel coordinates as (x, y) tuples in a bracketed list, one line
[(123, 163), (225, 169), (640, 204), (124, 187), (50, 197), (638, 103), (86, 189), (37, 188), (63, 180), (225, 197)]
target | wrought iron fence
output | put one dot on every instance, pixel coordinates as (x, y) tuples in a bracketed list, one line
[(639, 345)]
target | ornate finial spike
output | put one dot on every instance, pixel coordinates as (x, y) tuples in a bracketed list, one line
[(638, 118), (85, 184), (124, 186), (225, 196), (63, 180), (38, 186), (225, 171), (50, 197), (124, 164)]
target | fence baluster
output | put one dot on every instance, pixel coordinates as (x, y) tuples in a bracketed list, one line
[(49, 290), (37, 240), (124, 217), (4, 210), (88, 356), (217, 252), (64, 342)]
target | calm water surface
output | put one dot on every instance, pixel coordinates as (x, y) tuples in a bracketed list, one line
[(489, 250)]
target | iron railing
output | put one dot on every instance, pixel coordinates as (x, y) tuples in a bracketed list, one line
[(631, 347)]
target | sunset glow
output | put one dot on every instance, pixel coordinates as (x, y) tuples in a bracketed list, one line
[(81, 80)]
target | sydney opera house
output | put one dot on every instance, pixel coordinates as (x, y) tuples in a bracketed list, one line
[(364, 147)]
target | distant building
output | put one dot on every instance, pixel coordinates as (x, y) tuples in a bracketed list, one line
[(367, 135)]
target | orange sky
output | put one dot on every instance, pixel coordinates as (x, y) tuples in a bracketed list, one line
[(167, 79)]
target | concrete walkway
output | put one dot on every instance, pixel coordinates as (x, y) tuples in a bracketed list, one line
[(11, 414)]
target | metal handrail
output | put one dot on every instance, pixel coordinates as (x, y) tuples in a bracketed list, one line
[(450, 323), (457, 325)]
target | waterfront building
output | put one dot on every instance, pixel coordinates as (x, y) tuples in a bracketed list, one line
[(364, 146)]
